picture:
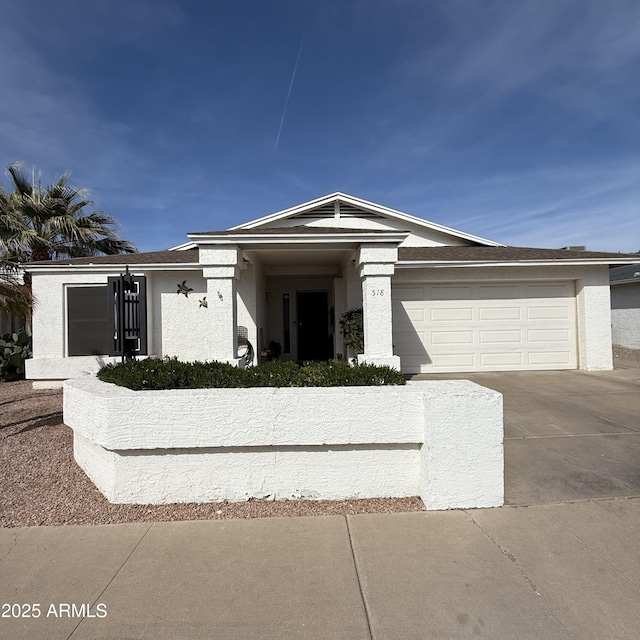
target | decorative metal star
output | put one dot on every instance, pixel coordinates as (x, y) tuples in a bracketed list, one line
[(203, 302), (184, 289)]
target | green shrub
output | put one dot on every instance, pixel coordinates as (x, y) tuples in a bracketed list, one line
[(15, 348), (173, 374), (352, 329)]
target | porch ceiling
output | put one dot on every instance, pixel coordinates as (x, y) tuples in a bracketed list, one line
[(299, 256)]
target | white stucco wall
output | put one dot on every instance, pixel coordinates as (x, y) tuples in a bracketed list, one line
[(440, 439), (178, 321), (625, 315), (353, 285), (594, 319)]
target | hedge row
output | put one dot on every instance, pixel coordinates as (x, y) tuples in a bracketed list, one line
[(153, 374)]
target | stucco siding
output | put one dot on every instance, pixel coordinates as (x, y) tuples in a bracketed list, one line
[(625, 315), (594, 319), (179, 321)]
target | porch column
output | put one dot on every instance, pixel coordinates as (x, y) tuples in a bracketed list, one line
[(377, 263), (221, 271)]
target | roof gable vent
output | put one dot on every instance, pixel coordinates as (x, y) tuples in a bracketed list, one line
[(339, 209)]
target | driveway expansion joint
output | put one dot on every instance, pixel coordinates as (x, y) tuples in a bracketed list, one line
[(360, 587), (504, 551), (596, 414)]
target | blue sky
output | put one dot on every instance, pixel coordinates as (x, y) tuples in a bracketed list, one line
[(512, 120)]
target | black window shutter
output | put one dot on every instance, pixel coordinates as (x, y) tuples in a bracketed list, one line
[(127, 315)]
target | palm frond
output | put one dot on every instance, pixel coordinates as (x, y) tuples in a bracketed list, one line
[(39, 223), (15, 297)]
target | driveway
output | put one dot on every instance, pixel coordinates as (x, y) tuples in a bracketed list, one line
[(569, 435)]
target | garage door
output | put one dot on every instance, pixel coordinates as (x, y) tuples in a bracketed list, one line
[(485, 326)]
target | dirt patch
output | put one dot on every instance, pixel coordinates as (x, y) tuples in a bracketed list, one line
[(623, 353), (42, 484)]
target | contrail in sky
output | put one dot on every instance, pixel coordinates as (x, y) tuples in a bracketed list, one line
[(293, 77)]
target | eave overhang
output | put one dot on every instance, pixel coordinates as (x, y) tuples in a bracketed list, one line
[(315, 237), (421, 264), (113, 267)]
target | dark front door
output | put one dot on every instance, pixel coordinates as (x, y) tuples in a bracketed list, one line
[(313, 325)]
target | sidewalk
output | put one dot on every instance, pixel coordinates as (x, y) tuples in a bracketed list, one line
[(552, 572)]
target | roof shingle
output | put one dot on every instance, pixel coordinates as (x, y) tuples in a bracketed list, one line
[(493, 254)]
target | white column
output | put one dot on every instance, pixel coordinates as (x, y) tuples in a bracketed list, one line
[(377, 264), (594, 320), (221, 271)]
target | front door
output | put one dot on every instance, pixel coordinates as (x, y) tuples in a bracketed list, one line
[(313, 325)]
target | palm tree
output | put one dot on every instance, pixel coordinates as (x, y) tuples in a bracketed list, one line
[(15, 296), (50, 223)]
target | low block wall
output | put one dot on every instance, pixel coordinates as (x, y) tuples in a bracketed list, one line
[(50, 373), (442, 440)]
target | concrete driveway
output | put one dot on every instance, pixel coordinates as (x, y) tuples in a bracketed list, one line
[(569, 435)]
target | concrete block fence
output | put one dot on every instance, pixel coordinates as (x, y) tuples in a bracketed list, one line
[(441, 440)]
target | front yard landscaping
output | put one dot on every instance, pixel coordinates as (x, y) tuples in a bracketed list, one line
[(42, 484)]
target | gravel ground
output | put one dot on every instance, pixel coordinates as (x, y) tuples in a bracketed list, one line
[(40, 483), (622, 353)]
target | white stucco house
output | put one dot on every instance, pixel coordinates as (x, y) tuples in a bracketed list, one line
[(625, 306), (434, 299)]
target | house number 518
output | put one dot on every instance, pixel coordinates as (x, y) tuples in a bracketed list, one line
[(377, 292)]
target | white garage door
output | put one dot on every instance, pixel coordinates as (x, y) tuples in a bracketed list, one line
[(485, 326)]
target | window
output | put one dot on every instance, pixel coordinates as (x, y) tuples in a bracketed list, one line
[(87, 321)]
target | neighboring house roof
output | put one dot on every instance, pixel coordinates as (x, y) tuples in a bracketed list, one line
[(625, 275)]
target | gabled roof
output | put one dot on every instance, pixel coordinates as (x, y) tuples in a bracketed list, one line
[(350, 205)]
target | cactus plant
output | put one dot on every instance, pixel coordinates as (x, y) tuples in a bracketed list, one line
[(15, 348)]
